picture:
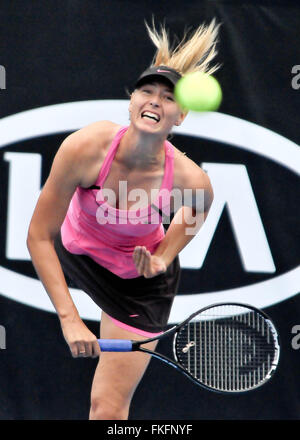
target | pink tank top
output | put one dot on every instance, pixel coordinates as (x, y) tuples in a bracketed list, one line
[(108, 235)]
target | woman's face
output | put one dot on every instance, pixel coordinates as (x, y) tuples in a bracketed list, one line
[(153, 108)]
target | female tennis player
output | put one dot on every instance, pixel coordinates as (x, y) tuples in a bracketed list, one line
[(86, 226)]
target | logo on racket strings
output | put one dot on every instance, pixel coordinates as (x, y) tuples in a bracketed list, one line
[(188, 346)]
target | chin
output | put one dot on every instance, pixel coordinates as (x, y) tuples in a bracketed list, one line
[(149, 128)]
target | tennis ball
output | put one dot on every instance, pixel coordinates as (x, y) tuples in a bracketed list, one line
[(199, 92)]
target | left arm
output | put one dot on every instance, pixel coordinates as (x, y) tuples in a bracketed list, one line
[(185, 225)]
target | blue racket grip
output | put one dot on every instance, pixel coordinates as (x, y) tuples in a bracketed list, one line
[(115, 344)]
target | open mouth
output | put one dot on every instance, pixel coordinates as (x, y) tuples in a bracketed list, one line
[(151, 115)]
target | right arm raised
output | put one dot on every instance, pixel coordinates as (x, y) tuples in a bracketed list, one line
[(66, 173)]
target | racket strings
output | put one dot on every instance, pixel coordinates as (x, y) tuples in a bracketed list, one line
[(227, 348)]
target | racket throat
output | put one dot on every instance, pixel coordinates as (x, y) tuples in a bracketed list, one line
[(136, 345)]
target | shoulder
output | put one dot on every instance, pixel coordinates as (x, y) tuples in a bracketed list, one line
[(187, 174), (82, 152), (190, 176), (91, 139)]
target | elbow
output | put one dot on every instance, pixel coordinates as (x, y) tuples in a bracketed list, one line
[(32, 237), (208, 199), (36, 236), (29, 239)]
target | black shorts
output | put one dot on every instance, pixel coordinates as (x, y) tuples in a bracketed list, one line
[(142, 303)]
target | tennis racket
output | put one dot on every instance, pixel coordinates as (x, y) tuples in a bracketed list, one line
[(226, 347)]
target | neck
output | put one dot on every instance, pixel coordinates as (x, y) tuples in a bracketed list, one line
[(141, 150)]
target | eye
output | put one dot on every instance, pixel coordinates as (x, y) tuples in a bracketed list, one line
[(170, 98)]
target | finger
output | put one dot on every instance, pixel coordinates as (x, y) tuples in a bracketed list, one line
[(135, 255), (148, 256), (140, 260), (88, 349), (96, 349), (74, 350), (137, 249), (147, 266), (144, 261), (81, 349)]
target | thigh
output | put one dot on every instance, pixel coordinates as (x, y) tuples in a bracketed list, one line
[(118, 374)]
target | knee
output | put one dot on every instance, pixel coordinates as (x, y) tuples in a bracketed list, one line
[(102, 409)]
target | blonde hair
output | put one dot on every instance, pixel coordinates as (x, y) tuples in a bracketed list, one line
[(193, 53)]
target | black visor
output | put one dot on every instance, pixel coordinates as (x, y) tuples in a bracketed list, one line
[(167, 74)]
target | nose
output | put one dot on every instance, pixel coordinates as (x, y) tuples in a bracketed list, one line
[(155, 101)]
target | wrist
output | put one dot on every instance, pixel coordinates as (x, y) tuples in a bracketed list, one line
[(69, 317), (164, 257)]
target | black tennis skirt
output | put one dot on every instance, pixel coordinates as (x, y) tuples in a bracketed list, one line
[(142, 303)]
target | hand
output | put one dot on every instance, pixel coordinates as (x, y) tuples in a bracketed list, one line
[(81, 341), (146, 264)]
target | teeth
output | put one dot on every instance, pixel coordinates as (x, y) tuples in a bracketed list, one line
[(151, 115)]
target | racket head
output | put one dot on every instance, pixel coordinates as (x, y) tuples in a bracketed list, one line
[(228, 347)]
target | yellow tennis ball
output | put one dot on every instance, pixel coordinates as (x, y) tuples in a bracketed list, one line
[(199, 92)]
